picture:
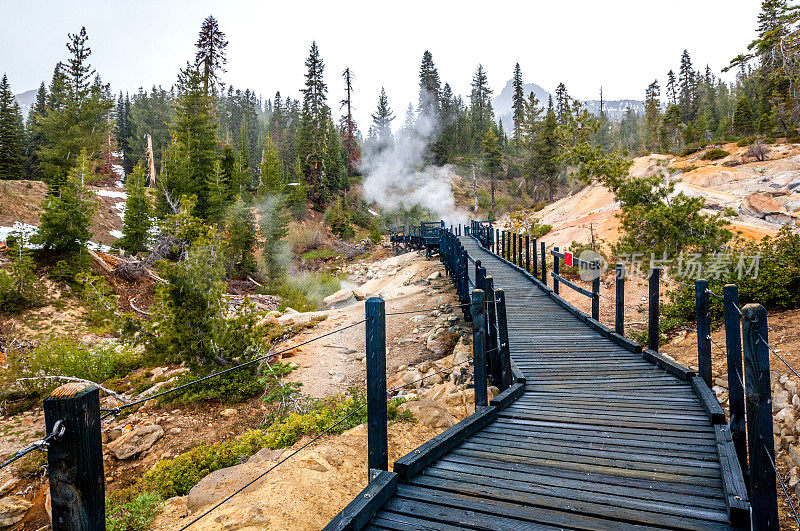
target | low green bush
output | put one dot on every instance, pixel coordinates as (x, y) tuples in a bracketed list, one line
[(746, 141), (132, 514), (715, 154)]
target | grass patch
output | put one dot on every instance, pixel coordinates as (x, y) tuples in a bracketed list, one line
[(319, 254)]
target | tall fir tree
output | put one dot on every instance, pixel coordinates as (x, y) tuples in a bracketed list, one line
[(518, 104), (210, 57), (137, 220), (191, 158), (686, 86), (123, 131), (562, 104), (349, 128), (382, 123), (35, 137), (313, 127), (492, 159), (273, 227), (743, 122), (482, 115), (77, 114), (672, 92), (271, 174), (240, 238), (546, 161), (12, 134), (652, 116)]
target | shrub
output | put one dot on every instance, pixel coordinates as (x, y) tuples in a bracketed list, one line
[(304, 239), (132, 514), (19, 287), (99, 298), (746, 141), (304, 292), (715, 154)]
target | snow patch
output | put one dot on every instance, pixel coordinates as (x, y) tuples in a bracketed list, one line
[(98, 247), (111, 193), (116, 233)]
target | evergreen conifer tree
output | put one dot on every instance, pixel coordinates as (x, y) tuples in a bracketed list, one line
[(518, 105), (349, 128), (652, 115), (210, 56), (429, 88), (137, 221), (382, 122), (12, 134), (273, 227), (686, 84), (743, 121), (271, 173), (123, 131), (480, 106), (240, 238), (492, 158), (313, 126), (67, 213)]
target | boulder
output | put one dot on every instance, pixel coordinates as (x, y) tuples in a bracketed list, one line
[(230, 412), (781, 400), (12, 510), (321, 459), (435, 275), (441, 341), (8, 486), (243, 517), (761, 206), (136, 441), (429, 413), (340, 299), (786, 416), (462, 352), (221, 483), (794, 455)]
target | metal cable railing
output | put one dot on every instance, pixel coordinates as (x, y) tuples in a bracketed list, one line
[(58, 430)]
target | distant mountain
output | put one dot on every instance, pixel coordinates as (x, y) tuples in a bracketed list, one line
[(26, 101), (614, 109)]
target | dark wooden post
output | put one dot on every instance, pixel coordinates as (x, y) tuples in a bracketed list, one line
[(535, 259), (465, 269), (596, 299), (619, 316), (503, 244), (733, 347), (377, 437), (506, 376), (492, 352), (478, 303), (480, 276), (528, 253), (555, 271), (519, 258), (544, 264), (763, 492), (514, 248), (703, 330), (652, 309), (75, 460)]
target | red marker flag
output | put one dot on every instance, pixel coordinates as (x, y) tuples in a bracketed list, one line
[(567, 258)]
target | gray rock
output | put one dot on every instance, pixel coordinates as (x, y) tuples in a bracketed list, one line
[(12, 510), (136, 441), (221, 483)]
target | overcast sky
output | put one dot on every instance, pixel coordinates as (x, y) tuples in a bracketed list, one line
[(619, 44)]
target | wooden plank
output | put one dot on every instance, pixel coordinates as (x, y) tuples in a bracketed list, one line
[(508, 397), (709, 401), (733, 484), (411, 463), (672, 366), (357, 513)]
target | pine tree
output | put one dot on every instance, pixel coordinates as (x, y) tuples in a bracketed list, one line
[(743, 121), (686, 82), (191, 165), (239, 238), (518, 105), (12, 134), (349, 128), (481, 111), (429, 104), (273, 227), (210, 56), (67, 212), (547, 152), (35, 136), (672, 93), (313, 124), (271, 173), (382, 122), (77, 115), (334, 173), (298, 194), (137, 222), (562, 103), (492, 158), (123, 131), (652, 113)]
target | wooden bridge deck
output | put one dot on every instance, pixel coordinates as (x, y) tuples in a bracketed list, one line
[(600, 439)]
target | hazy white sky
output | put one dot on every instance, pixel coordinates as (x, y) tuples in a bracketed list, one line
[(619, 44)]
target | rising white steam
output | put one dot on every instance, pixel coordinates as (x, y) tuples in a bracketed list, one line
[(397, 174)]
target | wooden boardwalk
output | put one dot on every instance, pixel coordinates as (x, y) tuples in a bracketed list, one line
[(600, 439)]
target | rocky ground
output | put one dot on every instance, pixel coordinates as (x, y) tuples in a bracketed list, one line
[(420, 343)]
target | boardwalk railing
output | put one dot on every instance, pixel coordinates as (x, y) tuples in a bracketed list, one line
[(746, 438)]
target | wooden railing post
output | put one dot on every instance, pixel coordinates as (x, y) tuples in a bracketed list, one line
[(733, 347), (478, 303), (480, 276), (535, 259), (652, 309), (544, 264), (555, 271), (75, 460), (619, 315), (514, 239), (703, 330), (492, 352), (596, 298), (465, 271), (502, 244), (506, 375), (377, 437), (528, 253), (763, 491)]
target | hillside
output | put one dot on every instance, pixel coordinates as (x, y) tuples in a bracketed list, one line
[(764, 195)]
